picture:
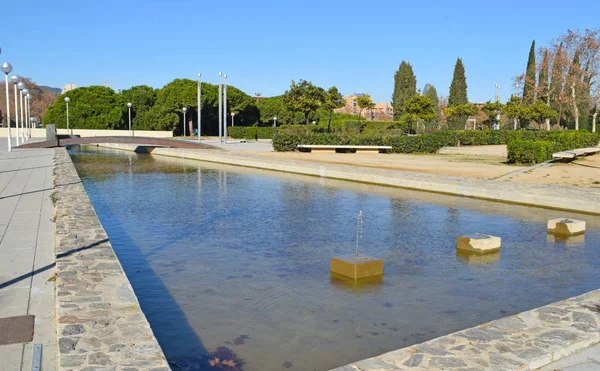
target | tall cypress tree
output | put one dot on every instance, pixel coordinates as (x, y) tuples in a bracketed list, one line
[(405, 87), (543, 79), (529, 88), (458, 87), (458, 94), (556, 82), (574, 81), (430, 92)]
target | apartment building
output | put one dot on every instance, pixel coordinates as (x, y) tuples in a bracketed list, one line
[(381, 111)]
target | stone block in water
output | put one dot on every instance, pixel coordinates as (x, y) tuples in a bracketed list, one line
[(566, 227), (479, 243), (356, 267), (468, 257)]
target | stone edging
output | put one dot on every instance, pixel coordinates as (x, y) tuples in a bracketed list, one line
[(99, 320), (525, 341)]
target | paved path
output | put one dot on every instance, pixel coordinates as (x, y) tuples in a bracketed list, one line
[(27, 251), (585, 360)]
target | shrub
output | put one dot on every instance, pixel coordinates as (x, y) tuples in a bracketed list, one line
[(530, 151), (251, 132)]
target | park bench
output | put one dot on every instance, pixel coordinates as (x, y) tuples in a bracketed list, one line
[(345, 148), (566, 155)]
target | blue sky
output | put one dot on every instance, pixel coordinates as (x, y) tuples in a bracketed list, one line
[(263, 44)]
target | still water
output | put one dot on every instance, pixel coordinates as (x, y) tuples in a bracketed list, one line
[(231, 265)]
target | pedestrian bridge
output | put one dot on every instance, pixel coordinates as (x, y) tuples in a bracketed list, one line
[(147, 141)]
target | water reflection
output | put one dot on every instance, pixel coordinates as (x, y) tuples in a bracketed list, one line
[(242, 256), (476, 258)]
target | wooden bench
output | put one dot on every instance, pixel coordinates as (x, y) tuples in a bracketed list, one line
[(565, 155), (335, 148)]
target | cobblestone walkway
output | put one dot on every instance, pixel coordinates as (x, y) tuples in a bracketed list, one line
[(525, 341), (100, 323)]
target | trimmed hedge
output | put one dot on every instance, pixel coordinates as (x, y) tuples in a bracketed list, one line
[(530, 151), (432, 142), (251, 132), (522, 151)]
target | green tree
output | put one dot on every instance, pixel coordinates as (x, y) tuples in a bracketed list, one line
[(543, 80), (430, 92), (529, 86), (541, 112), (462, 111), (142, 98), (420, 107), (405, 87), (304, 97), (333, 100), (364, 102), (458, 95), (493, 110), (514, 109), (91, 107)]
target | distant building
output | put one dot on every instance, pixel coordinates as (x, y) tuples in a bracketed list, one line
[(382, 111), (68, 87)]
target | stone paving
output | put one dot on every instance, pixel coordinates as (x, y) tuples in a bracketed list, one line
[(100, 322), (27, 251), (526, 341)]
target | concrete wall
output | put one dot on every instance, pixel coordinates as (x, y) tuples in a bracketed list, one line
[(41, 133)]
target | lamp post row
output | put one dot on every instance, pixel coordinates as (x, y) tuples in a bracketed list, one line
[(25, 114)]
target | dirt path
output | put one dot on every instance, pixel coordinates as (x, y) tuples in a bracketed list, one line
[(584, 172)]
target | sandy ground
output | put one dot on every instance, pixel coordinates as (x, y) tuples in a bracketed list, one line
[(473, 166), (583, 172), (484, 162)]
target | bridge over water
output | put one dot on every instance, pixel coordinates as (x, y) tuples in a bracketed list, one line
[(156, 142)]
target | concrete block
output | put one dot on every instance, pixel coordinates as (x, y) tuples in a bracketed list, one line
[(468, 257), (356, 267), (479, 243), (566, 227)]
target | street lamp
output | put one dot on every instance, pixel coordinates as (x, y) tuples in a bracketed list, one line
[(184, 111), (28, 96), (232, 119), (129, 108), (21, 86), (67, 100), (199, 107), (25, 91), (7, 68), (225, 108), (15, 79), (275, 121), (220, 107)]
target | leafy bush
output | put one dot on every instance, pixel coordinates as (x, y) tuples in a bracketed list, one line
[(251, 132), (530, 151)]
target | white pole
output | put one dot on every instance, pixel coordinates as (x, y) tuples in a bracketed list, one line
[(22, 113), (67, 117), (129, 119), (184, 122), (225, 108), (16, 113), (220, 108), (8, 111), (28, 122), (199, 108)]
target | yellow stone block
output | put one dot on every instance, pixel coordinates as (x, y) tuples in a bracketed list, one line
[(566, 227), (477, 258), (356, 267), (479, 243)]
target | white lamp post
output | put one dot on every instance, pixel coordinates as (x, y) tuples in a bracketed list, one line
[(129, 108), (220, 107), (225, 108), (275, 121), (184, 111), (28, 96), (199, 108), (7, 68), (21, 86), (24, 120), (232, 119), (67, 100), (15, 80)]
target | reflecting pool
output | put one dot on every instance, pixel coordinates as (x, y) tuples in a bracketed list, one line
[(232, 264)]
